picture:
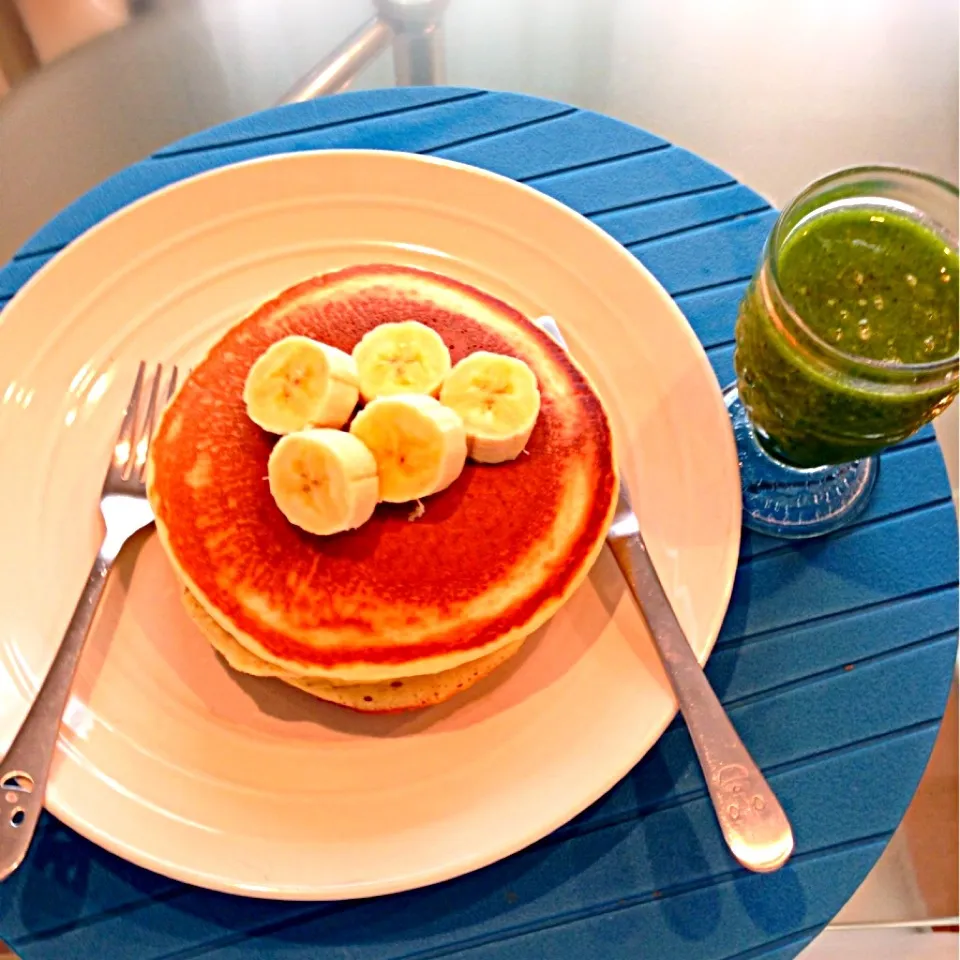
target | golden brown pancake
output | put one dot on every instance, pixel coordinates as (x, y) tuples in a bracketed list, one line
[(491, 558), (387, 696)]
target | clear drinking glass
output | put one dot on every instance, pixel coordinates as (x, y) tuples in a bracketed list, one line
[(846, 343)]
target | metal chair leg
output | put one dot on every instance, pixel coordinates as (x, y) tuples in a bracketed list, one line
[(418, 49), (335, 73), (416, 29)]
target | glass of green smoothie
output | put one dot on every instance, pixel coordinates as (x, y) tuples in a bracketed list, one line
[(846, 343)]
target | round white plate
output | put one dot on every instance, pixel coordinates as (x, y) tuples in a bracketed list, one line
[(171, 760)]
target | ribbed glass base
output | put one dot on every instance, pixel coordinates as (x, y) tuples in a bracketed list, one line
[(790, 502)]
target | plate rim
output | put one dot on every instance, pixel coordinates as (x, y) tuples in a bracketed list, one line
[(367, 888)]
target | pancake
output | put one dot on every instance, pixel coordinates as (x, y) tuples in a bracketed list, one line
[(410, 593), (387, 696)]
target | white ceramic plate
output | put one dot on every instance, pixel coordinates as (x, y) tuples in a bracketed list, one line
[(171, 760)]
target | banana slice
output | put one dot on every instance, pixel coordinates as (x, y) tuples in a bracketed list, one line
[(406, 357), (419, 445), (298, 382), (498, 399), (324, 481)]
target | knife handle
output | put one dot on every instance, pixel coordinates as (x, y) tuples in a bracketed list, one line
[(753, 823)]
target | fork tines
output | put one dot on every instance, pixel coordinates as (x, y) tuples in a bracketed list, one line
[(139, 421)]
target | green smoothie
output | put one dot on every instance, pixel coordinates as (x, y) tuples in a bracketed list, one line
[(870, 283)]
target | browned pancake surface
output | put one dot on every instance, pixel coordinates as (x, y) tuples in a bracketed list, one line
[(397, 589)]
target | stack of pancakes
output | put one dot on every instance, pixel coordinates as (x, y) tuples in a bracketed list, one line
[(415, 605)]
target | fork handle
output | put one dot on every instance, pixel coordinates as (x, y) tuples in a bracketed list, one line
[(30, 755)]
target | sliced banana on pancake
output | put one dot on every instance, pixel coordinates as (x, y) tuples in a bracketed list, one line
[(419, 445), (407, 357), (498, 399), (324, 481), (298, 382)]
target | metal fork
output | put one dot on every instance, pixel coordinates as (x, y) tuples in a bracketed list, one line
[(751, 819), (125, 510)]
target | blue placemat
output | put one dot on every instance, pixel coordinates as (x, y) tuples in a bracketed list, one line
[(834, 661)]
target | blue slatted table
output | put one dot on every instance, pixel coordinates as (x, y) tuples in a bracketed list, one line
[(834, 661)]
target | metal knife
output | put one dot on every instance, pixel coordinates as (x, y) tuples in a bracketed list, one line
[(751, 819)]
